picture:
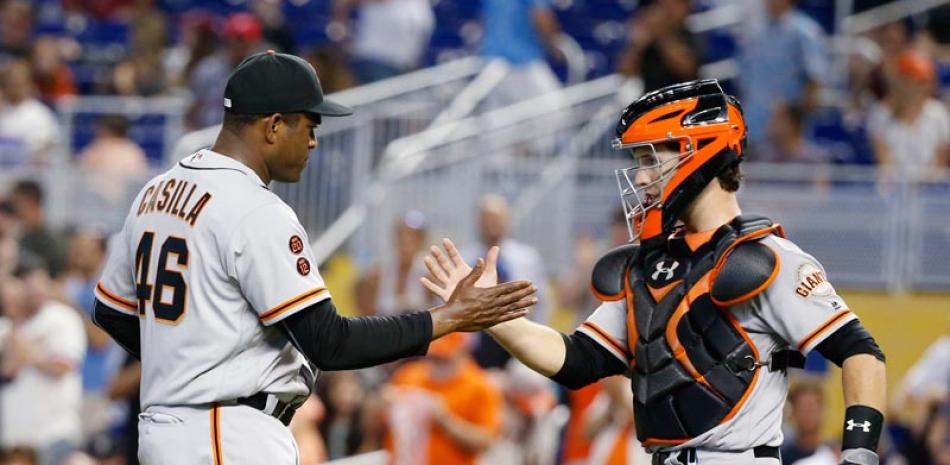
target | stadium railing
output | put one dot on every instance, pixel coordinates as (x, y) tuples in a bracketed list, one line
[(348, 152), (444, 170), (551, 157)]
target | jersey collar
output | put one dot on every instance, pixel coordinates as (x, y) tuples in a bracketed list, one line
[(207, 159)]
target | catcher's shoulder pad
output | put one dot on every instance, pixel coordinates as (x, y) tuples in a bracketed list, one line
[(607, 279), (745, 272)]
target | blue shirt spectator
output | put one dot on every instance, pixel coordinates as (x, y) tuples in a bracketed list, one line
[(783, 59), (510, 30)]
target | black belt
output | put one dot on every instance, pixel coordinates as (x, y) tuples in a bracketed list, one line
[(283, 411), (688, 456)]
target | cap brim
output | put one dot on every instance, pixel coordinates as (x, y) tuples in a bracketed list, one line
[(330, 108)]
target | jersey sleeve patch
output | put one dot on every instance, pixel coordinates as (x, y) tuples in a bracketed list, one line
[(293, 304), (812, 282), (295, 244), (116, 302)]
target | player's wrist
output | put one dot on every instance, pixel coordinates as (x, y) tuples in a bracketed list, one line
[(861, 432), (442, 321)]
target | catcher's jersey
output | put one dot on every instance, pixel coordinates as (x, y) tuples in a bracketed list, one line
[(798, 310), (210, 259)]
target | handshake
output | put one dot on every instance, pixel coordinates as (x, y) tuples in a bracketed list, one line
[(473, 298)]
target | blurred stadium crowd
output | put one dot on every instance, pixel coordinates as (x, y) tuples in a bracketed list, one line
[(68, 394)]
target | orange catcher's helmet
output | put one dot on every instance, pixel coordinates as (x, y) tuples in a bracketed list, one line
[(681, 138)]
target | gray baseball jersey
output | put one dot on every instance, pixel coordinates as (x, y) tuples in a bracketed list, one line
[(798, 310), (209, 259)]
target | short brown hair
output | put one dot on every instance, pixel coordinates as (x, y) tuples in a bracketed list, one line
[(730, 178)]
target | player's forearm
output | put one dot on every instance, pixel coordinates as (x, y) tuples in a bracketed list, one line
[(537, 346), (864, 381), (332, 342)]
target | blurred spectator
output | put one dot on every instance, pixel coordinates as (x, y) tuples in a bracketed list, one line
[(124, 387), (611, 427), (310, 447), (40, 407), (331, 64), (276, 32), (660, 49), (379, 25), (574, 290), (111, 153), (517, 31), (929, 379), (35, 237), (53, 77), (141, 73), (910, 131), (787, 142), (87, 252), (806, 400), (394, 285), (25, 119), (577, 445), (574, 287), (532, 420), (446, 410), (242, 35), (783, 59), (516, 261), (16, 25), (341, 425), (101, 9), (196, 40), (18, 456)]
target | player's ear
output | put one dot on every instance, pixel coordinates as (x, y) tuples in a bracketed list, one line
[(271, 125)]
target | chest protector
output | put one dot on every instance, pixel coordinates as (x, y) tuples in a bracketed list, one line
[(694, 365)]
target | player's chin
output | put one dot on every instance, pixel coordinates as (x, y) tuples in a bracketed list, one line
[(291, 174)]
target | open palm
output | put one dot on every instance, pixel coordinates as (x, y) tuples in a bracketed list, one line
[(447, 268)]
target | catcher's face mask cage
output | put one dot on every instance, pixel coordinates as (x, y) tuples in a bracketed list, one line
[(641, 185)]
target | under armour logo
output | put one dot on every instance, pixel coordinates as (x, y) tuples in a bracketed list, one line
[(866, 426), (661, 269)]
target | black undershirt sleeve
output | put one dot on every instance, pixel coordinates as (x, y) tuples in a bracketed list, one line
[(123, 328), (332, 342), (585, 362), (849, 340)]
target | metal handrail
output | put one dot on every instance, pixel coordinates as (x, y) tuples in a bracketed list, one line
[(410, 82), (878, 16)]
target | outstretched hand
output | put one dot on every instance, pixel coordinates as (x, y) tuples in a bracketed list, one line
[(473, 300), (447, 269)]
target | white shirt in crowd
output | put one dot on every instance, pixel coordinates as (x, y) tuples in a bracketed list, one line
[(381, 24), (32, 123), (913, 147), (931, 374), (37, 409)]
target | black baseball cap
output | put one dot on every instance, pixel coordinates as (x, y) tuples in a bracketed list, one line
[(271, 82)]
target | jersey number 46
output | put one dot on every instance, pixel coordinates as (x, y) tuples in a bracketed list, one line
[(167, 296)]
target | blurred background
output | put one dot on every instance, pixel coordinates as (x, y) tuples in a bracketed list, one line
[(487, 121)]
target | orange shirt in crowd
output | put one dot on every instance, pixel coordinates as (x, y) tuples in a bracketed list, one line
[(576, 444), (469, 395)]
